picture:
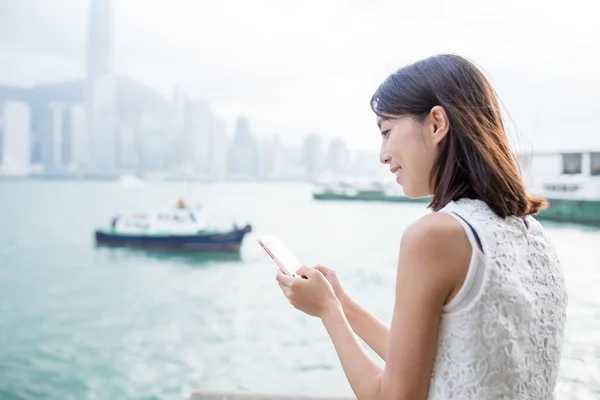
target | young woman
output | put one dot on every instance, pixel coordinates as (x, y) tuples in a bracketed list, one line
[(480, 305)]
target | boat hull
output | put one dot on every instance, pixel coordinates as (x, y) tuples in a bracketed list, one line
[(369, 197), (225, 241), (571, 210), (560, 210)]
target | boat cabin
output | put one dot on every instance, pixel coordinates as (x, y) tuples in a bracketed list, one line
[(578, 179), (182, 218)]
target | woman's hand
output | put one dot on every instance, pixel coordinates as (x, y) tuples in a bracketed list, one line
[(313, 295), (333, 278)]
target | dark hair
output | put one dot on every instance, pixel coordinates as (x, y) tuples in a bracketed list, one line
[(475, 160)]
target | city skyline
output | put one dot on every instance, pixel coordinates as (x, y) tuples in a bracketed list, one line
[(260, 60), (100, 93), (94, 132)]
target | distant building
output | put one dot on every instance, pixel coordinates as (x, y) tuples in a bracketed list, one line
[(273, 163), (219, 152), (153, 141), (367, 163), (312, 156), (338, 157), (243, 156), (55, 150), (76, 138), (64, 145), (206, 142), (200, 129), (15, 135), (129, 152), (101, 92), (180, 151)]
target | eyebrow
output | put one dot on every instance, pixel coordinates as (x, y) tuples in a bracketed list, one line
[(380, 121)]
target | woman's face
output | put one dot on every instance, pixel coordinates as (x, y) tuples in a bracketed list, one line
[(410, 147)]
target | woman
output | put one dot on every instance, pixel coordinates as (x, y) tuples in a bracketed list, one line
[(480, 304)]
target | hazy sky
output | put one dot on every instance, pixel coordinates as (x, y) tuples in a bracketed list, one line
[(299, 67)]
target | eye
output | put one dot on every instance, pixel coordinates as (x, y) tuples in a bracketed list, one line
[(385, 133)]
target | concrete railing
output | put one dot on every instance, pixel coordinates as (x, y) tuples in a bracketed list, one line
[(219, 395)]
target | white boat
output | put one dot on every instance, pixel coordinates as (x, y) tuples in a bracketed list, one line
[(183, 227), (570, 181), (363, 190), (131, 181)]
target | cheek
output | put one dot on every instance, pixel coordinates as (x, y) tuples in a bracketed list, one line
[(408, 150), (417, 161), (398, 148)]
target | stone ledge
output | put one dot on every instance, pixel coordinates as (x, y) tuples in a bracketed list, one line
[(223, 395)]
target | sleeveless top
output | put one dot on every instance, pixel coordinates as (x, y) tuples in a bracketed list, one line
[(501, 336)]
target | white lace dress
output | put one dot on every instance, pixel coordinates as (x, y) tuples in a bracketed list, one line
[(501, 336)]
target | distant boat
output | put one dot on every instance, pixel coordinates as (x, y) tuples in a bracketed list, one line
[(570, 182), (182, 227), (131, 181), (373, 192)]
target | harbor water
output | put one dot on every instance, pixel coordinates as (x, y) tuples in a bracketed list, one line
[(84, 322)]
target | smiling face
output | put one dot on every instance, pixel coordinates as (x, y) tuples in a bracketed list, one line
[(410, 147), (416, 105)]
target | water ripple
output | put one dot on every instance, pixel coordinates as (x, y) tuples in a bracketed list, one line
[(80, 322)]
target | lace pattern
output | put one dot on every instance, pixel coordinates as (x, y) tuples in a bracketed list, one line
[(507, 343)]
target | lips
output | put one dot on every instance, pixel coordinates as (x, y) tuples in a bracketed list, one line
[(397, 171)]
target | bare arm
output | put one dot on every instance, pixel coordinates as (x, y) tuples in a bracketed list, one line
[(433, 260), (369, 328)]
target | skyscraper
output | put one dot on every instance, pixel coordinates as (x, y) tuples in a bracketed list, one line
[(101, 92), (312, 156), (78, 137), (180, 151), (100, 39), (243, 156), (15, 130), (200, 131), (55, 139), (219, 149), (338, 157)]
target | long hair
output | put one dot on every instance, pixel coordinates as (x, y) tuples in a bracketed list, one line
[(475, 160)]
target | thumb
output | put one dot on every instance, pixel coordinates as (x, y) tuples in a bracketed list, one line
[(305, 271), (322, 269)]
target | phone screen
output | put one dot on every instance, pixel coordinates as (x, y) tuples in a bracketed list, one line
[(284, 258)]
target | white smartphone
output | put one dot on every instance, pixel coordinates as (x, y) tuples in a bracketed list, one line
[(284, 258)]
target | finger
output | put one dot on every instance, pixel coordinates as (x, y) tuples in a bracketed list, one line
[(287, 293), (322, 269), (306, 271), (284, 279), (286, 290)]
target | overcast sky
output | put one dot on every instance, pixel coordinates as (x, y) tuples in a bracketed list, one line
[(299, 67)]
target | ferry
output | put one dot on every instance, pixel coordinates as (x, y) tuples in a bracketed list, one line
[(373, 192), (182, 227), (570, 181)]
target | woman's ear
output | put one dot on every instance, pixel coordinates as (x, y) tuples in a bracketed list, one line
[(440, 124)]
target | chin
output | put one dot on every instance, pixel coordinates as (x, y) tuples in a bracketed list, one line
[(411, 193)]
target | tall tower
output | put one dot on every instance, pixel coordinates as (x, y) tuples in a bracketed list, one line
[(312, 156), (100, 92), (15, 133), (100, 39), (243, 155)]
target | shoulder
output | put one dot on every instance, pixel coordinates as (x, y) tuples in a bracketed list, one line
[(437, 231), (436, 247)]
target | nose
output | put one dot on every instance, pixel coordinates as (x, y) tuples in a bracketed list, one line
[(384, 157)]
